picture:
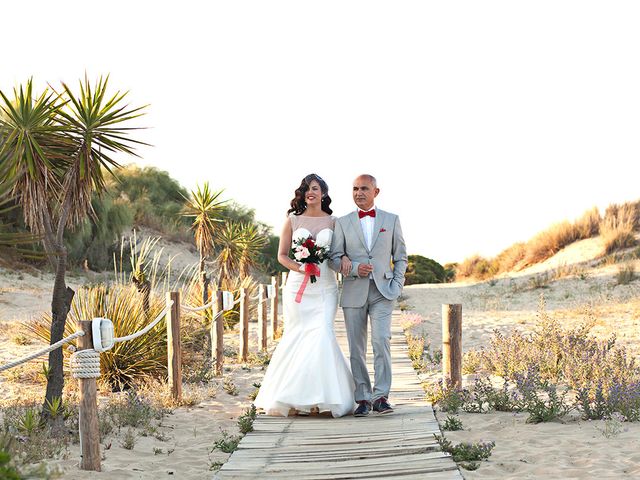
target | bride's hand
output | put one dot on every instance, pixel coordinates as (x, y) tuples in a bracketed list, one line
[(301, 268), (345, 266)]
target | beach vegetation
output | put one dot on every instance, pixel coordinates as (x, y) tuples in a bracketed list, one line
[(55, 151), (618, 228), (424, 270)]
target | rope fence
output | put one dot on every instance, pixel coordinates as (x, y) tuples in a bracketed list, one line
[(148, 327), (42, 352), (96, 336)]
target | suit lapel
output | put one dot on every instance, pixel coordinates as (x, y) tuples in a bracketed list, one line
[(356, 224), (376, 226)]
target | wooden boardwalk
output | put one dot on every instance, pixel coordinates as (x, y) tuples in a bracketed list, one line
[(399, 445)]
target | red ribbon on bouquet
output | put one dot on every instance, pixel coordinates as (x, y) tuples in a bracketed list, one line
[(310, 269)]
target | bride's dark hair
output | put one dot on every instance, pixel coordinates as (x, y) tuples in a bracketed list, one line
[(298, 204)]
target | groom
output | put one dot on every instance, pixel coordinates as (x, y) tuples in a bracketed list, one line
[(372, 239)]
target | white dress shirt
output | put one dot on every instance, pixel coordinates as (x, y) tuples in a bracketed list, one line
[(367, 227)]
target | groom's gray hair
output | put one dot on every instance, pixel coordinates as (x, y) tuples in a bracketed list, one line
[(371, 178)]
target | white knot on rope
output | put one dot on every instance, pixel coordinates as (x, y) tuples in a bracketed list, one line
[(85, 364)]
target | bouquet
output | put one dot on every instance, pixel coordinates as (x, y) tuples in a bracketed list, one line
[(307, 251)]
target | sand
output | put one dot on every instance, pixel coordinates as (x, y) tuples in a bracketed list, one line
[(189, 432), (190, 435), (572, 449)]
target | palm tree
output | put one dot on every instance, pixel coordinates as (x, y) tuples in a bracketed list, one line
[(239, 249), (54, 149), (253, 241), (206, 210)]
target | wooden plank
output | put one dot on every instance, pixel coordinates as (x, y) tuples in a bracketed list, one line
[(400, 445)]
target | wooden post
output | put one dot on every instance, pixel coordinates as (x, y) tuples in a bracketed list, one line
[(174, 347), (244, 325), (452, 345), (262, 318), (275, 281), (89, 432), (217, 335)]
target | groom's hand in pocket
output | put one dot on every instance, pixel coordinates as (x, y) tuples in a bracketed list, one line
[(364, 269)]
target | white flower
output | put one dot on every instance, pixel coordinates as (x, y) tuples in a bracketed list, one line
[(304, 253)]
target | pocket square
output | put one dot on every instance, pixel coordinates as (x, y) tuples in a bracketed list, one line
[(382, 230)]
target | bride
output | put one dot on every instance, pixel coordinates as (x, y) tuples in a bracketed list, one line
[(308, 372)]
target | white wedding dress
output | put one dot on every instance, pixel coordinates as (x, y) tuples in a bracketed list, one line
[(308, 369)]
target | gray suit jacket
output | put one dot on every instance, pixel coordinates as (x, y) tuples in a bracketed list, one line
[(388, 255)]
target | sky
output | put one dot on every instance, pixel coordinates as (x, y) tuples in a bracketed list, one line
[(484, 122)]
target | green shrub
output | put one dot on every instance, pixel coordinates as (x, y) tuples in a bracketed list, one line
[(448, 399), (7, 470), (245, 421), (226, 444), (466, 452), (97, 238), (155, 199), (129, 440), (28, 441), (132, 410), (450, 271), (424, 270), (452, 424)]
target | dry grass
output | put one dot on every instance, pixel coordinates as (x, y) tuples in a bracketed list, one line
[(511, 256), (626, 274), (549, 242), (588, 225), (617, 227), (476, 267)]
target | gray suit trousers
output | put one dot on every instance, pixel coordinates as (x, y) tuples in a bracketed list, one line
[(378, 309)]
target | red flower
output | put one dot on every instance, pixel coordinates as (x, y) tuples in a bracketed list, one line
[(309, 243)]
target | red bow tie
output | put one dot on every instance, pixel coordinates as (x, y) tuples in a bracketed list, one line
[(371, 213)]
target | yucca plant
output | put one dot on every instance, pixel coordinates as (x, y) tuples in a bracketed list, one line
[(252, 244), (229, 250), (240, 245), (206, 209), (11, 240), (55, 150), (140, 256), (127, 361)]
